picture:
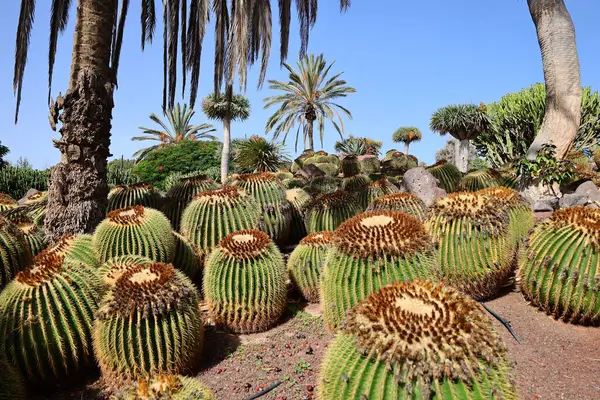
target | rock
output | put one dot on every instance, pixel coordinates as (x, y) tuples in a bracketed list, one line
[(538, 193), (589, 191), (29, 193), (310, 172), (546, 203), (422, 184), (572, 200)]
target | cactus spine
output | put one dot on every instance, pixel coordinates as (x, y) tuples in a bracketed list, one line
[(355, 183), (148, 323), (181, 193), (328, 211), (34, 236), (138, 194), (369, 251), (244, 282), (12, 386), (374, 190), (306, 262), (163, 387), (299, 199), (7, 202), (187, 259), (560, 270), (519, 211), (480, 179), (416, 341), (15, 254), (405, 202), (112, 270), (447, 174)]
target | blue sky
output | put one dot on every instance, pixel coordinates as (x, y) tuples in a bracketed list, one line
[(405, 59)]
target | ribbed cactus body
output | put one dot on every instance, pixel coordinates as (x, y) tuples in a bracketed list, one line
[(416, 342), (38, 214), (350, 166), (15, 254), (370, 164), (475, 249), (214, 214), (33, 234), (244, 282), (299, 199), (7, 202), (166, 387), (181, 193), (295, 182), (374, 190), (355, 183), (328, 211), (306, 262), (48, 314), (480, 179), (447, 174), (560, 270), (12, 386), (274, 209), (519, 211), (112, 269), (186, 258), (148, 323), (77, 250), (283, 175), (135, 231), (369, 251), (323, 185), (405, 202), (138, 194)]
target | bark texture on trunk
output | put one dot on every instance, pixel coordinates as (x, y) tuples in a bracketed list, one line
[(462, 159), (225, 152), (556, 37), (311, 143), (406, 145), (78, 189)]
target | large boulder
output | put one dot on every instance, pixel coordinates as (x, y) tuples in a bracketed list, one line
[(421, 183), (589, 191)]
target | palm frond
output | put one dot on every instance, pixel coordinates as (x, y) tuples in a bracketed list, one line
[(199, 15), (285, 17), (116, 54), (148, 21), (59, 16), (26, 17)]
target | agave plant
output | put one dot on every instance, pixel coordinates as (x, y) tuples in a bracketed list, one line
[(259, 155)]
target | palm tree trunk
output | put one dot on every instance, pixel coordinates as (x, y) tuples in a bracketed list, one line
[(462, 160), (311, 143), (225, 154), (556, 37), (78, 189), (406, 145)]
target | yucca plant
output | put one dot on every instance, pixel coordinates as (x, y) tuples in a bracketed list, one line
[(447, 174), (160, 387), (416, 341), (374, 190), (369, 251), (138, 194), (328, 211), (148, 323), (405, 202), (299, 199), (181, 193), (407, 135), (15, 253), (244, 282), (306, 263), (480, 179)]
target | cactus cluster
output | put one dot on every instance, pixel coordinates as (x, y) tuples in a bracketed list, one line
[(244, 282), (323, 185), (162, 387), (269, 193), (354, 183), (374, 190), (560, 270), (475, 249), (33, 234), (299, 199), (405, 202), (7, 202), (416, 340), (328, 211), (519, 211), (447, 174), (328, 163), (480, 179), (306, 262), (135, 231), (138, 194), (46, 326), (148, 323), (181, 193), (15, 253), (369, 251)]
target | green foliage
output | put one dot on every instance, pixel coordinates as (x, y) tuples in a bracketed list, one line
[(148, 323), (244, 282), (329, 210), (3, 152), (357, 146), (407, 134), (461, 121), (163, 387), (218, 108), (306, 263), (259, 155), (374, 190), (182, 192), (15, 254), (135, 231), (299, 199), (545, 169), (142, 194), (447, 174), (51, 341), (16, 181), (405, 202), (120, 172), (560, 269), (185, 157), (480, 179)]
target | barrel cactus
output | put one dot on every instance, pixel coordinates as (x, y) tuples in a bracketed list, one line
[(112, 270), (374, 190), (447, 174), (163, 387), (76, 250), (244, 282), (214, 214), (519, 210), (328, 163), (369, 164), (37, 204), (7, 202), (148, 323), (416, 341), (295, 182), (306, 262), (46, 326), (560, 270), (12, 386), (299, 199), (182, 192), (283, 175), (480, 179), (474, 245), (369, 251), (33, 234), (269, 193), (15, 254), (138, 194), (405, 202), (135, 231), (350, 166), (187, 258), (323, 185), (328, 211), (355, 183)]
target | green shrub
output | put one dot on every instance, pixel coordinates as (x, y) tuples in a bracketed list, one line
[(328, 211), (16, 181), (306, 263), (546, 169), (120, 172)]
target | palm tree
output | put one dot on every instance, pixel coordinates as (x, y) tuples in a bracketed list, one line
[(256, 154), (307, 98), (407, 135), (78, 187), (226, 108), (464, 122), (180, 130)]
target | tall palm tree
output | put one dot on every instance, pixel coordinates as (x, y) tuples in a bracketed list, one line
[(407, 135), (226, 108), (308, 98), (180, 129), (78, 189)]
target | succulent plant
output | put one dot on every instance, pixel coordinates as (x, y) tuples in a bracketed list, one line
[(369, 251), (405, 202), (328, 211), (373, 190), (323, 185), (519, 211), (33, 234), (474, 245), (135, 231), (46, 326), (15, 254), (369, 164), (283, 175), (416, 341), (300, 200), (163, 387), (77, 250), (187, 258), (148, 323), (112, 270), (350, 166), (181, 193), (306, 262), (214, 214), (447, 174), (355, 183), (12, 386), (328, 163), (37, 203), (138, 194), (7, 202), (560, 270), (269, 193), (295, 182), (244, 282), (480, 179)]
